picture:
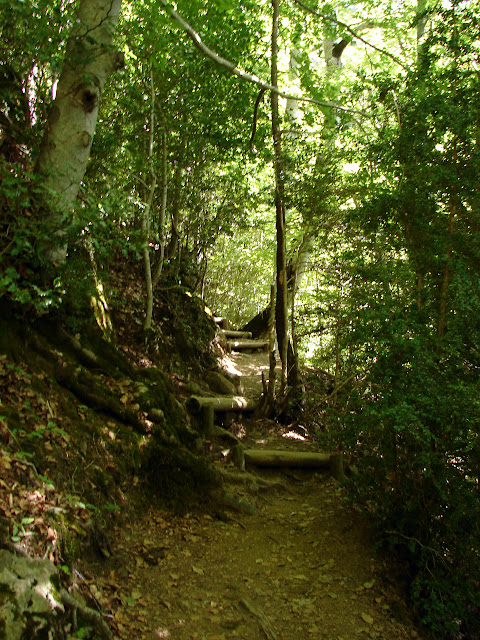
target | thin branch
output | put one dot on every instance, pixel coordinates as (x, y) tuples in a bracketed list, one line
[(243, 75), (355, 34), (255, 116), (417, 541)]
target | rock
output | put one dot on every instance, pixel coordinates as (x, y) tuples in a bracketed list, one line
[(220, 384), (29, 601)]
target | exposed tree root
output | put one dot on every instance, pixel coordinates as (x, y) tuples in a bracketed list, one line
[(70, 379), (253, 483), (264, 622), (89, 615)]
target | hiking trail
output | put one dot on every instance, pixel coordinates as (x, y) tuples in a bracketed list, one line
[(300, 567)]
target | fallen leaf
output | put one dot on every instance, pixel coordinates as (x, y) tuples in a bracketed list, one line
[(366, 618), (197, 570)]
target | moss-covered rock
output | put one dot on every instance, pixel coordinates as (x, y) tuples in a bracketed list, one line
[(30, 605)]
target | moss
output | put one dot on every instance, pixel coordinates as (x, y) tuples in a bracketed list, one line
[(176, 477)]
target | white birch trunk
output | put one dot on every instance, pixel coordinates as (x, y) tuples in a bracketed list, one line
[(291, 108), (69, 133)]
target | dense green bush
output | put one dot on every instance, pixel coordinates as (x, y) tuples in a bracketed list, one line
[(415, 422)]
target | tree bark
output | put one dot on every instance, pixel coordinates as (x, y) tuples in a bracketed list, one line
[(176, 201), (163, 208), (146, 212), (68, 137), (281, 307)]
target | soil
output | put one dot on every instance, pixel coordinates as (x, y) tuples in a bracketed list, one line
[(303, 566)]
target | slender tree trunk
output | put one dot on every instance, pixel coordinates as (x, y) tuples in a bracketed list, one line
[(446, 272), (421, 23), (163, 207), (452, 206), (176, 202), (146, 212), (271, 351), (68, 137), (281, 308), (291, 108)]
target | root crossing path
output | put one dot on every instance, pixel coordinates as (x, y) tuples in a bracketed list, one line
[(302, 567)]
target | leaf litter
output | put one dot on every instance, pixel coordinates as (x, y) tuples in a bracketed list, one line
[(236, 583)]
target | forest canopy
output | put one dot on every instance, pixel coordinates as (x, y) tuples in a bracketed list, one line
[(329, 149)]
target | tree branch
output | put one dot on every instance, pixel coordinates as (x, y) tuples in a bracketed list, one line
[(243, 75), (255, 116), (355, 34)]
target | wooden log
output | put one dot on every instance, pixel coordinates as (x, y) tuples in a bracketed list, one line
[(208, 416), (290, 459), (195, 404), (229, 333), (223, 323), (239, 345), (337, 467)]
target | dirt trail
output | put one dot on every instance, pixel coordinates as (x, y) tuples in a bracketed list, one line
[(302, 568), (249, 367)]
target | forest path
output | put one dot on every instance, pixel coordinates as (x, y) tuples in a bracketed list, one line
[(301, 568), (249, 366)]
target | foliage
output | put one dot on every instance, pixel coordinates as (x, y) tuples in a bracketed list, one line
[(409, 329), (388, 201), (25, 238)]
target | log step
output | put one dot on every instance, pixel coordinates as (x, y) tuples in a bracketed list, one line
[(195, 404), (222, 323), (291, 459), (239, 345), (229, 333)]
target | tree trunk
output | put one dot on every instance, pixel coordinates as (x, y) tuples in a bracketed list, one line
[(146, 212), (281, 308), (163, 208), (270, 398), (421, 23), (68, 137)]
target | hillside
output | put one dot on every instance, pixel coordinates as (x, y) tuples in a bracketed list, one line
[(105, 475)]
